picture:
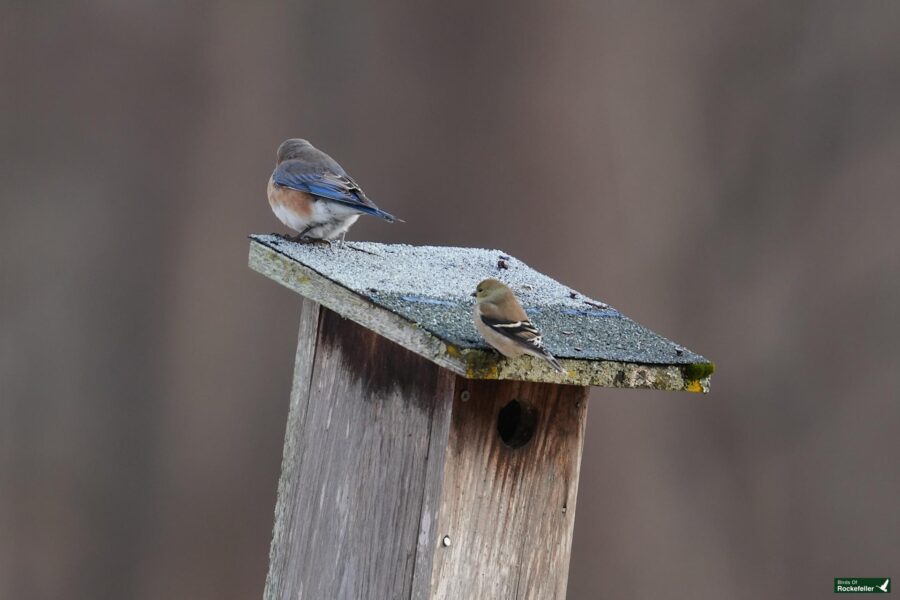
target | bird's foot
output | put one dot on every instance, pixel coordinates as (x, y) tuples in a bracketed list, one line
[(301, 238), (314, 241)]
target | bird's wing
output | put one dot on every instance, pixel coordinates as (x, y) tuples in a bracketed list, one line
[(522, 332), (326, 184)]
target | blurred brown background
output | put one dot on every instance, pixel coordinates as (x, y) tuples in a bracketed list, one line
[(725, 173)]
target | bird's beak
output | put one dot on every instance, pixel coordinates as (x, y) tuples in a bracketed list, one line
[(473, 294)]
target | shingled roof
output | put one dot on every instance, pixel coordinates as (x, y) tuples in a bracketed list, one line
[(419, 297)]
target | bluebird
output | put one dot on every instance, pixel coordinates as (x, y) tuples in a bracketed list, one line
[(310, 193), (502, 321)]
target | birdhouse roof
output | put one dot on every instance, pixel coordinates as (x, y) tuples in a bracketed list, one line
[(420, 298)]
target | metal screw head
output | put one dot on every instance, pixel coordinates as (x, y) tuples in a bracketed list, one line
[(446, 541), (464, 396)]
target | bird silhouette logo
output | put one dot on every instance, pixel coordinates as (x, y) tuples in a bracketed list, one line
[(885, 587)]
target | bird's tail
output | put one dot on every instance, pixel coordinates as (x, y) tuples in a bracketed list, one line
[(553, 362), (377, 212)]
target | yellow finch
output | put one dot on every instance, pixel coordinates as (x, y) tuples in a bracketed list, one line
[(502, 321)]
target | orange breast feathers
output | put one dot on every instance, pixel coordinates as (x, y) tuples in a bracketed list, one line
[(286, 199)]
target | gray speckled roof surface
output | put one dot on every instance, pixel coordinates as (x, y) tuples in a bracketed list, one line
[(432, 287)]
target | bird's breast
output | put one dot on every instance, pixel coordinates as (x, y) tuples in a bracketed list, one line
[(292, 207), (299, 203)]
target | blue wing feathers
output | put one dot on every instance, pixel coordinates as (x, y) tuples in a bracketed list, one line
[(324, 184)]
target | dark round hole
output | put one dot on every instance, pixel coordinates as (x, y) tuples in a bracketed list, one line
[(516, 423)]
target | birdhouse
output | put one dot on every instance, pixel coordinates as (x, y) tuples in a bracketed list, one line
[(418, 462)]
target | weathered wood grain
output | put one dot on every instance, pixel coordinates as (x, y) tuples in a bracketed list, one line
[(285, 507), (509, 512), (368, 422), (386, 453)]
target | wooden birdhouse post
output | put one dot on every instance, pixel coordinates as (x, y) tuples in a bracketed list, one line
[(418, 463)]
